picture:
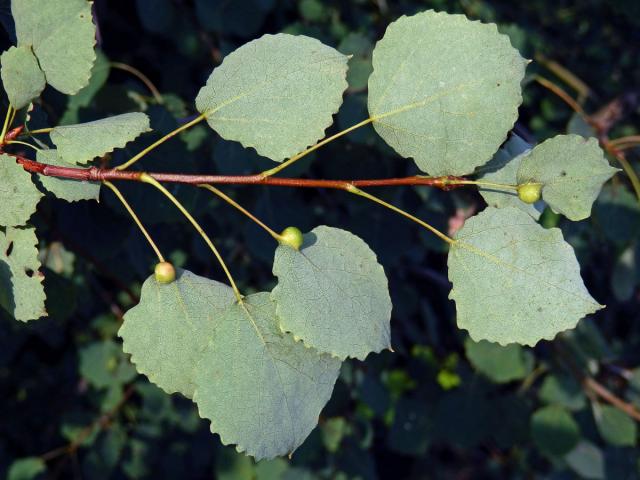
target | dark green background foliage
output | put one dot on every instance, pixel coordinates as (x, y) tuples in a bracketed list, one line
[(441, 406)]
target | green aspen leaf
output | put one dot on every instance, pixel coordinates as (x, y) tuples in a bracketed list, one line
[(62, 36), (21, 76), (18, 195), (167, 332), (104, 365), (276, 94), (562, 390), (587, 461), (278, 468), (21, 290), (262, 390), (332, 294), (498, 363), (571, 170), (83, 142), (445, 90), (615, 426), (63, 188), (554, 430), (515, 281), (26, 468), (503, 168)]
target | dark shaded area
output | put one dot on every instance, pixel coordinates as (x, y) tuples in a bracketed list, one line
[(423, 412)]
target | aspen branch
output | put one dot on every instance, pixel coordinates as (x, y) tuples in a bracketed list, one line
[(95, 174)]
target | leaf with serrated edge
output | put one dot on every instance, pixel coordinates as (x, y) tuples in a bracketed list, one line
[(276, 94), (18, 195), (503, 168), (444, 90), (332, 294), (21, 76), (21, 290), (63, 188), (514, 281), (262, 390), (83, 142), (62, 36), (167, 332), (571, 169)]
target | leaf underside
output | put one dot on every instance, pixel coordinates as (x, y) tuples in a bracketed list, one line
[(21, 76), (18, 194), (262, 390), (167, 332), (62, 36), (83, 142), (21, 290), (445, 90), (276, 94), (333, 294), (514, 281), (571, 170), (503, 168)]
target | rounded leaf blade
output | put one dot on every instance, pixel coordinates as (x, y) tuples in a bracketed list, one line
[(501, 364), (615, 427), (515, 281), (262, 390), (21, 76), (62, 35), (333, 294), (444, 90), (503, 169), (276, 94), (167, 332), (554, 430), (571, 170)]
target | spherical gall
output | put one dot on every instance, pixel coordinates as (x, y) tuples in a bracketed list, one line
[(292, 237), (529, 192), (164, 273)]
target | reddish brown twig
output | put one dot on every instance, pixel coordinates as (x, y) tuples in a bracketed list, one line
[(94, 174), (592, 387), (12, 134), (604, 393)]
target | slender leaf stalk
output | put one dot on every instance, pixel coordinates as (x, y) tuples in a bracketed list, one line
[(135, 218), (152, 181), (232, 202), (435, 231), (156, 144)]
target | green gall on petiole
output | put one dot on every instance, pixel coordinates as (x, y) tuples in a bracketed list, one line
[(164, 273), (529, 192), (292, 237)]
